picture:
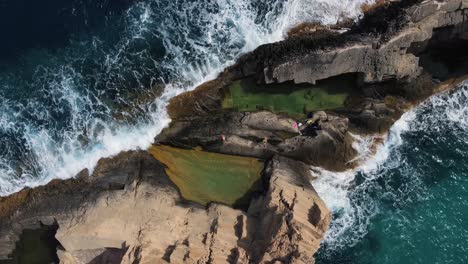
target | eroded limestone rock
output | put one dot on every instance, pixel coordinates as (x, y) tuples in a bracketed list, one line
[(292, 217), (128, 211), (264, 134)]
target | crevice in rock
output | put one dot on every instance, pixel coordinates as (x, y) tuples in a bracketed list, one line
[(239, 226), (36, 246), (315, 215), (186, 255), (233, 257), (136, 255), (445, 54), (210, 256), (167, 254), (138, 178), (213, 232)]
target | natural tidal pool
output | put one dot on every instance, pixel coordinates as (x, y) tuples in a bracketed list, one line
[(412, 207), (205, 177), (296, 100), (36, 246), (82, 80)]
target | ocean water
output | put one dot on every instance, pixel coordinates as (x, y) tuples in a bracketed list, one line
[(409, 203), (86, 79)]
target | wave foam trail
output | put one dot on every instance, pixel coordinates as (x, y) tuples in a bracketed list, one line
[(451, 107), (388, 178), (337, 188), (106, 90)]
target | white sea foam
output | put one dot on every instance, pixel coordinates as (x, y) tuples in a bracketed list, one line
[(350, 202), (451, 107), (336, 189), (192, 58), (324, 11)]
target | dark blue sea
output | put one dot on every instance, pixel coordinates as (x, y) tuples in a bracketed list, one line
[(85, 79)]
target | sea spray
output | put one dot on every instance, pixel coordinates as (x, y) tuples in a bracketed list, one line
[(64, 109), (397, 176), (336, 188)]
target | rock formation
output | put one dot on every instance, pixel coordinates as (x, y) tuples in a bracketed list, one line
[(128, 210)]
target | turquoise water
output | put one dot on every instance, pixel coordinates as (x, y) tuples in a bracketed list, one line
[(412, 207)]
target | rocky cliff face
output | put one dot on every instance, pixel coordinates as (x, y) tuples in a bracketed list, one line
[(380, 47), (393, 46), (128, 211), (395, 56)]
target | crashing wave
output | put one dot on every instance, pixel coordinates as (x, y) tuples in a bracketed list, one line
[(106, 91), (355, 197)]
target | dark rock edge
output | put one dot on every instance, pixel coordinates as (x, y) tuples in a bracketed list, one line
[(267, 65)]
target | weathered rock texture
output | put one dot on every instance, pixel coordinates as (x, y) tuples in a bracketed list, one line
[(378, 48), (392, 45), (396, 54), (290, 218), (244, 134), (129, 212)]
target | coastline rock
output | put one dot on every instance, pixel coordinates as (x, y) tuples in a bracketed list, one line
[(128, 211), (391, 57), (393, 44), (292, 217), (376, 57), (331, 148), (265, 134)]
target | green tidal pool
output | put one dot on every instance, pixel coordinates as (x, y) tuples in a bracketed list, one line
[(205, 177), (296, 100)]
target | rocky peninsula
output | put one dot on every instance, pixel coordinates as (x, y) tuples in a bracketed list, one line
[(228, 181)]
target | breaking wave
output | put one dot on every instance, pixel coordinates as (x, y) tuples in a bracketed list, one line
[(395, 178), (105, 91)]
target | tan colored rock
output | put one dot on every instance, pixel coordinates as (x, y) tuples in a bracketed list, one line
[(129, 212), (265, 120), (101, 255), (292, 217)]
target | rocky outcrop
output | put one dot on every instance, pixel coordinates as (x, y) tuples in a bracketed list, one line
[(128, 211), (385, 52), (392, 45), (263, 135), (65, 202), (292, 219), (394, 55)]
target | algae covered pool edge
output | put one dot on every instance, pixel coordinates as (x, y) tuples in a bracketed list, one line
[(297, 100), (205, 177)]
